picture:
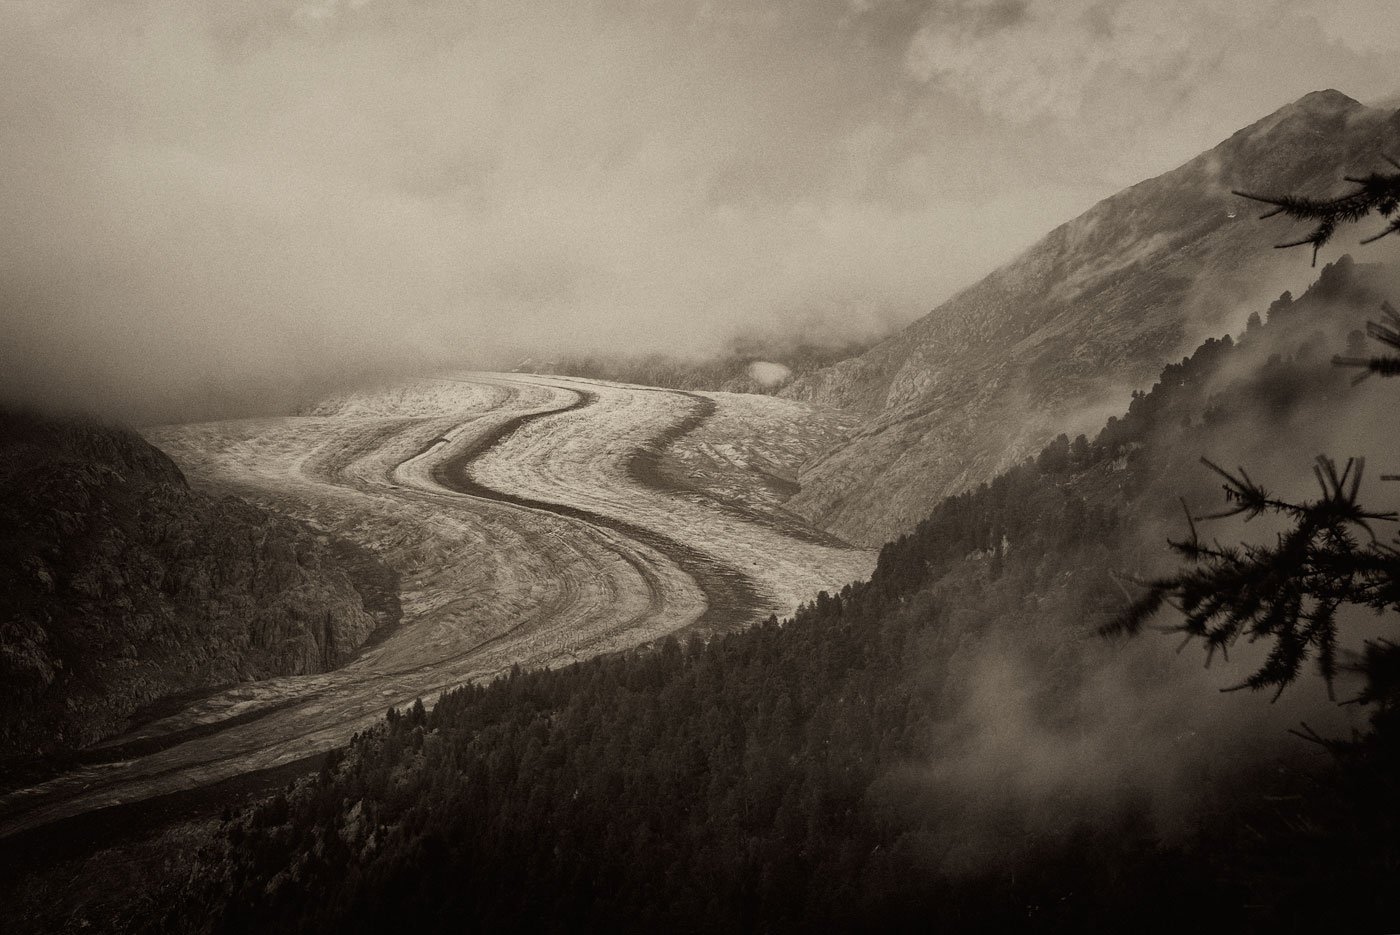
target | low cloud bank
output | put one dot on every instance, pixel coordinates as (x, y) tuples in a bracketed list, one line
[(211, 201)]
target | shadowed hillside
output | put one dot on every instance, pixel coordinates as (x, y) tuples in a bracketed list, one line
[(120, 586)]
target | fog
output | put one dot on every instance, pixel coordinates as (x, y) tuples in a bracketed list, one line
[(1049, 737), (210, 206)]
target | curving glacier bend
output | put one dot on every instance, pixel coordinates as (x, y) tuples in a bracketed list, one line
[(531, 520)]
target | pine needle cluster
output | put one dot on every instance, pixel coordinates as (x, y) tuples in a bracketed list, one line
[(1288, 592), (1376, 193), (1329, 556), (1387, 332)]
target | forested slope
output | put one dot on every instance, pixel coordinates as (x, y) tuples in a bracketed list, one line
[(948, 745), (120, 586)]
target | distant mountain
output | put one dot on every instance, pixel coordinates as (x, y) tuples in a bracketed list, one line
[(1057, 337), (747, 364), (120, 586)]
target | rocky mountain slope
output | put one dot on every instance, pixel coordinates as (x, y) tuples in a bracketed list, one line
[(1056, 338), (120, 586)]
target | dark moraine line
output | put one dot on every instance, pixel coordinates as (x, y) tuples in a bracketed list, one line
[(644, 467), (731, 595)]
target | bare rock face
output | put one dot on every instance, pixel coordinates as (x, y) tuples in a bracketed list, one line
[(120, 586), (1061, 334)]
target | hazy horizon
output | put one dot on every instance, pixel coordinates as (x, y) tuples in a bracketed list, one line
[(210, 199)]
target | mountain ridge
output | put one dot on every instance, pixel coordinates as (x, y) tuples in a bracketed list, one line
[(1092, 309)]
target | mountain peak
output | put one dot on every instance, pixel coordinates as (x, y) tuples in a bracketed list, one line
[(1330, 99), (1098, 304), (1312, 107)]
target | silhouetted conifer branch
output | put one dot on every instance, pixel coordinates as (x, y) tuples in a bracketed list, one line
[(1387, 334), (1376, 193), (1389, 229), (1287, 593)]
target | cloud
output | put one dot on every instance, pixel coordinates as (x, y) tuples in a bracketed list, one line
[(1088, 60), (767, 373), (1369, 25), (223, 198), (1137, 733)]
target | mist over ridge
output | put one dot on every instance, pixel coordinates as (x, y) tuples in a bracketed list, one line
[(1055, 338), (208, 203)]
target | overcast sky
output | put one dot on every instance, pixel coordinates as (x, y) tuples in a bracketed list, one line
[(238, 192)]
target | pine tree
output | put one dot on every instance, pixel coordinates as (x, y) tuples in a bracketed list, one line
[(1376, 193), (1288, 592), (1331, 554)]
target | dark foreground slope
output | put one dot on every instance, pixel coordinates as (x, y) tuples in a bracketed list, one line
[(120, 586), (1099, 304), (946, 746)]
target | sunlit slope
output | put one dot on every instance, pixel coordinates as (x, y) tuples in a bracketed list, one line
[(1055, 340)]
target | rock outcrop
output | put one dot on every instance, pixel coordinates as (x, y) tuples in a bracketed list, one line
[(120, 586), (1057, 338)]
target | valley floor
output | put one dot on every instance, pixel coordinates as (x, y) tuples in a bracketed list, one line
[(532, 521)]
